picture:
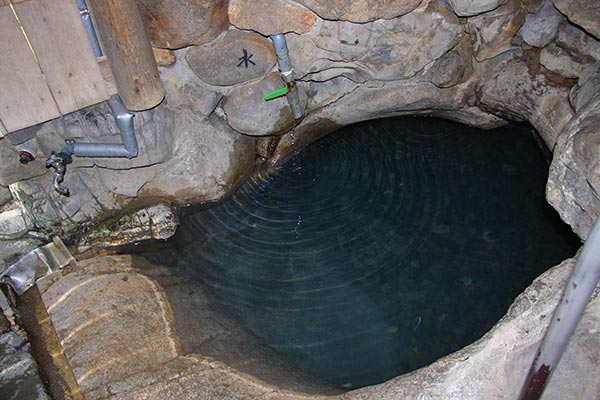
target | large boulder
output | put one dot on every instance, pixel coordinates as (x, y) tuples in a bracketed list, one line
[(155, 222), (584, 13), (185, 90), (512, 87), (492, 33), (247, 111), (271, 17), (574, 180), (234, 58), (111, 322), (468, 8), (380, 50), (209, 160), (176, 24), (539, 29), (360, 11)]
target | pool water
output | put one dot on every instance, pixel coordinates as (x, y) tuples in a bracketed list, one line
[(380, 247)]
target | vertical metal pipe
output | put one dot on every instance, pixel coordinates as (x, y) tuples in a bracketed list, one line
[(281, 49), (287, 73), (89, 27), (578, 291)]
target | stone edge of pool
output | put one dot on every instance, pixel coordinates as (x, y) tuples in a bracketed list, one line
[(116, 331)]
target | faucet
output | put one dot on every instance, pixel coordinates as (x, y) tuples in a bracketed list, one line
[(59, 162)]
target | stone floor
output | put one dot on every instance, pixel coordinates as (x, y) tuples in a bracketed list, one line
[(116, 329)]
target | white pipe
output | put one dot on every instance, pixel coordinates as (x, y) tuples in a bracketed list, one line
[(577, 294)]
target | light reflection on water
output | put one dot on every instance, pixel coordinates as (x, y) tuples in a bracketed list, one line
[(379, 248)]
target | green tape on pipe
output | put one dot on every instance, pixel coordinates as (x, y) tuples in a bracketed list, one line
[(278, 93)]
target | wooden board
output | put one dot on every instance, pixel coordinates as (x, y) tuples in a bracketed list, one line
[(25, 99), (7, 2), (57, 34)]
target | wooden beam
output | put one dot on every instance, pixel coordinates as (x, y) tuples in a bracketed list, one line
[(25, 99), (59, 39), (129, 53)]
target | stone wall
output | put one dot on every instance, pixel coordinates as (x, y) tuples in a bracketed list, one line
[(480, 63)]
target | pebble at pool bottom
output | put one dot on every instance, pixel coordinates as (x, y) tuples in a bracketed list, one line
[(379, 248)]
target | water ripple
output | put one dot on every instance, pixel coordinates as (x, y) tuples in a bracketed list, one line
[(379, 248)]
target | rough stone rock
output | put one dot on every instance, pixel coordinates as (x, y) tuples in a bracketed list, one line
[(13, 224), (50, 213), (578, 42), (321, 94), (247, 111), (176, 24), (234, 58), (19, 376), (271, 17), (584, 13), (198, 378), (12, 170), (185, 90), (492, 33), (382, 50), (209, 160), (555, 59), (539, 29), (586, 88), (156, 222), (122, 182), (5, 196), (163, 57), (111, 321), (454, 67), (517, 93), (534, 6), (468, 8), (12, 250), (574, 179), (360, 11)]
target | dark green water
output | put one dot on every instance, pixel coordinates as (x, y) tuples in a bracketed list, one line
[(379, 248)]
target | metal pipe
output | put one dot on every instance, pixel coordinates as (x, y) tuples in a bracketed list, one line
[(287, 73), (89, 27), (578, 291), (283, 56), (129, 147)]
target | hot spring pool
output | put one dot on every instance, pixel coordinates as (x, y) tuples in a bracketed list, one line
[(379, 248)]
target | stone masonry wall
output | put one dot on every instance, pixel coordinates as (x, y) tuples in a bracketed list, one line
[(480, 63)]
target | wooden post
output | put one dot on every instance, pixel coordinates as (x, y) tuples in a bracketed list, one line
[(129, 53)]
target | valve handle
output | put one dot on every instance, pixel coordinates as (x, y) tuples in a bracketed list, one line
[(277, 93)]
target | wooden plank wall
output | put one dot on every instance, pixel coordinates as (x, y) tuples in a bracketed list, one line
[(25, 97), (7, 2), (67, 78)]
